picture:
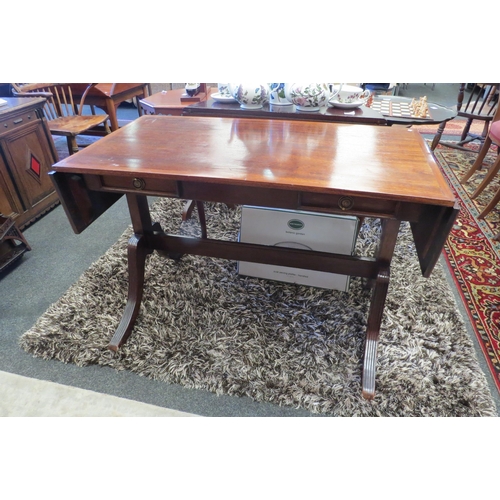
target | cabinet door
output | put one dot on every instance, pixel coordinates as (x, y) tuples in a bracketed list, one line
[(10, 204), (29, 159)]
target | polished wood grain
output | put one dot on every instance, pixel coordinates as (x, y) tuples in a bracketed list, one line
[(383, 162), (332, 168), (169, 102)]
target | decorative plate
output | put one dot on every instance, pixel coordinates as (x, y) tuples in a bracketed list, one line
[(345, 105), (222, 98)]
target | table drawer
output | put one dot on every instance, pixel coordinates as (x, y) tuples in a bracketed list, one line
[(348, 204), (149, 186)]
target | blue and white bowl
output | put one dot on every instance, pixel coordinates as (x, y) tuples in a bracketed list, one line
[(277, 95)]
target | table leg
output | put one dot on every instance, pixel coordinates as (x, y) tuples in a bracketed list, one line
[(372, 333), (390, 229), (137, 253), (203, 220), (188, 210), (138, 250)]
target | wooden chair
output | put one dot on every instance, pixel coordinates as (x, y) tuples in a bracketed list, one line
[(493, 138), (481, 105), (62, 111), (108, 96)]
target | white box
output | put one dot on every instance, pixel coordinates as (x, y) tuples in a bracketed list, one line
[(297, 229)]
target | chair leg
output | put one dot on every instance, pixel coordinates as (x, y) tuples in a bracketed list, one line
[(138, 105), (111, 110), (72, 145), (491, 205), (438, 135), (489, 177), (465, 131), (479, 160)]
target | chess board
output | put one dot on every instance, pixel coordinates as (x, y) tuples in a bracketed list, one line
[(396, 109)]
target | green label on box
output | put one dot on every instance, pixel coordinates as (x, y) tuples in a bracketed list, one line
[(295, 224)]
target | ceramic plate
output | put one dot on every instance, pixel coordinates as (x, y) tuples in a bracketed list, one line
[(345, 105), (222, 98)]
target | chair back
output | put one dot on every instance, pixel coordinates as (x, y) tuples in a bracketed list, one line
[(60, 102), (481, 103)]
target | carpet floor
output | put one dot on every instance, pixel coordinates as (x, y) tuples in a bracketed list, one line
[(28, 397), (203, 326), (472, 254)]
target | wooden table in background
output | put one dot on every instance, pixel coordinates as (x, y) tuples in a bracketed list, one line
[(212, 107), (382, 172), (361, 115), (166, 103)]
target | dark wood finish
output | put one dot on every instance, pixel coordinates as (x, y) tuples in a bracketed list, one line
[(211, 107), (361, 115), (171, 102), (437, 114), (390, 228), (479, 106), (381, 172), (27, 153)]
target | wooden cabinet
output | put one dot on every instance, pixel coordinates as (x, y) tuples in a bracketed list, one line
[(27, 153)]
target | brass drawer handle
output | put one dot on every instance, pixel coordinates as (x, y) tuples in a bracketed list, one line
[(346, 203), (19, 120), (139, 183)]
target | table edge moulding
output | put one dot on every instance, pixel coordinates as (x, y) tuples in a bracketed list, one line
[(362, 114), (361, 170)]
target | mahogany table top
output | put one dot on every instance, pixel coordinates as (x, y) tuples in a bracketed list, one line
[(385, 162)]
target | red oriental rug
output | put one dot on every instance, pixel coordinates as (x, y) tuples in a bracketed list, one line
[(453, 127), (472, 255)]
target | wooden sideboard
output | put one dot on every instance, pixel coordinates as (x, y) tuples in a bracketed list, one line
[(27, 153)]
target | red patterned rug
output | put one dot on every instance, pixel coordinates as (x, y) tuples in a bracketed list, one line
[(471, 253), (453, 127)]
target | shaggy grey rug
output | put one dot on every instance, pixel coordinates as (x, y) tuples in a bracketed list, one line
[(203, 326)]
